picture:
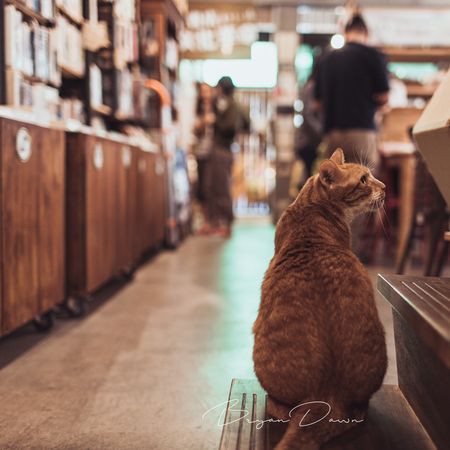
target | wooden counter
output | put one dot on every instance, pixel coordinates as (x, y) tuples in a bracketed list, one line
[(115, 209), (151, 200), (33, 223)]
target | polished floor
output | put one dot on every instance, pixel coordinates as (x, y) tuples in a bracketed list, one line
[(142, 369)]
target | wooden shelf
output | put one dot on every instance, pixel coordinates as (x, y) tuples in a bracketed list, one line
[(34, 79), (103, 110), (77, 21), (417, 54), (68, 72), (31, 13), (130, 120), (417, 90)]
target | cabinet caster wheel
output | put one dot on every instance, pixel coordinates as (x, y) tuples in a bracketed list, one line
[(75, 306), (128, 275), (43, 322)]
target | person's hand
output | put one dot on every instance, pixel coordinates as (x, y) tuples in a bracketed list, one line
[(209, 119)]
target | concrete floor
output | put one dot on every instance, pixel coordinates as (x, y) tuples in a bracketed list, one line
[(143, 367)]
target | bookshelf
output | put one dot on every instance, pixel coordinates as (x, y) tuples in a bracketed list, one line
[(47, 66), (40, 57), (161, 21), (256, 158)]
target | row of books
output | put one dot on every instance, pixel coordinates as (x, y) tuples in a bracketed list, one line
[(126, 43), (132, 97), (43, 7), (39, 97), (95, 85), (72, 7), (30, 48), (70, 50), (42, 99), (125, 10)]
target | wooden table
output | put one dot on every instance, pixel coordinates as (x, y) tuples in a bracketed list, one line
[(401, 155)]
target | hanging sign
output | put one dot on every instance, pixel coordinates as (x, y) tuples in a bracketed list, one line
[(219, 31), (415, 27)]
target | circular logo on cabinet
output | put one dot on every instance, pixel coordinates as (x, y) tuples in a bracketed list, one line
[(159, 167), (126, 156), (23, 144), (98, 156), (142, 166)]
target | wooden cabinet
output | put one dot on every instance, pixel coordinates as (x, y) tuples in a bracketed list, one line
[(127, 210), (91, 209), (115, 209), (151, 200), (32, 225), (159, 202)]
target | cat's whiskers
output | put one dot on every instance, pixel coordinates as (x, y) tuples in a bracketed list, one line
[(380, 210)]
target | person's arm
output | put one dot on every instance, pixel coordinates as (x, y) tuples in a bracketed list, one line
[(380, 79), (311, 107), (381, 98), (316, 100), (245, 120)]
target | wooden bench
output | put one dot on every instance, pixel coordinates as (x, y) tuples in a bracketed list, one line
[(391, 424), (414, 415), (421, 312)]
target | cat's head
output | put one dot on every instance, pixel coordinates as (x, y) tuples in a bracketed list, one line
[(351, 185)]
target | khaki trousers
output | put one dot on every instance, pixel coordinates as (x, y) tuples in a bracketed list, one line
[(360, 146)]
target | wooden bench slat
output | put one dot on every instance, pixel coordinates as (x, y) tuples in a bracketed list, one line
[(424, 303), (390, 424), (246, 405)]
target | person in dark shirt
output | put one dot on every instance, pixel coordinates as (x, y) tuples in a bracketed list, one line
[(229, 118), (352, 83)]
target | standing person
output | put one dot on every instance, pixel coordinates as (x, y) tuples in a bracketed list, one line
[(352, 83), (229, 118), (203, 131)]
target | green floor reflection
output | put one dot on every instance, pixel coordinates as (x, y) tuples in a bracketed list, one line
[(243, 261)]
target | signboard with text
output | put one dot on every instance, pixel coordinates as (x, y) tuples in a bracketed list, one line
[(219, 31)]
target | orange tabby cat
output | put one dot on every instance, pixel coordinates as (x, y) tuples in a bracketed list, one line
[(318, 337)]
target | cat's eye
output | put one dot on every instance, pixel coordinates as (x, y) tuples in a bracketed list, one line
[(363, 179)]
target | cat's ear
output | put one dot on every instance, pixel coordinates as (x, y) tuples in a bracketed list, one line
[(329, 173), (338, 156)]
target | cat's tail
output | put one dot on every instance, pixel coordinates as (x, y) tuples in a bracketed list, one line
[(314, 423)]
